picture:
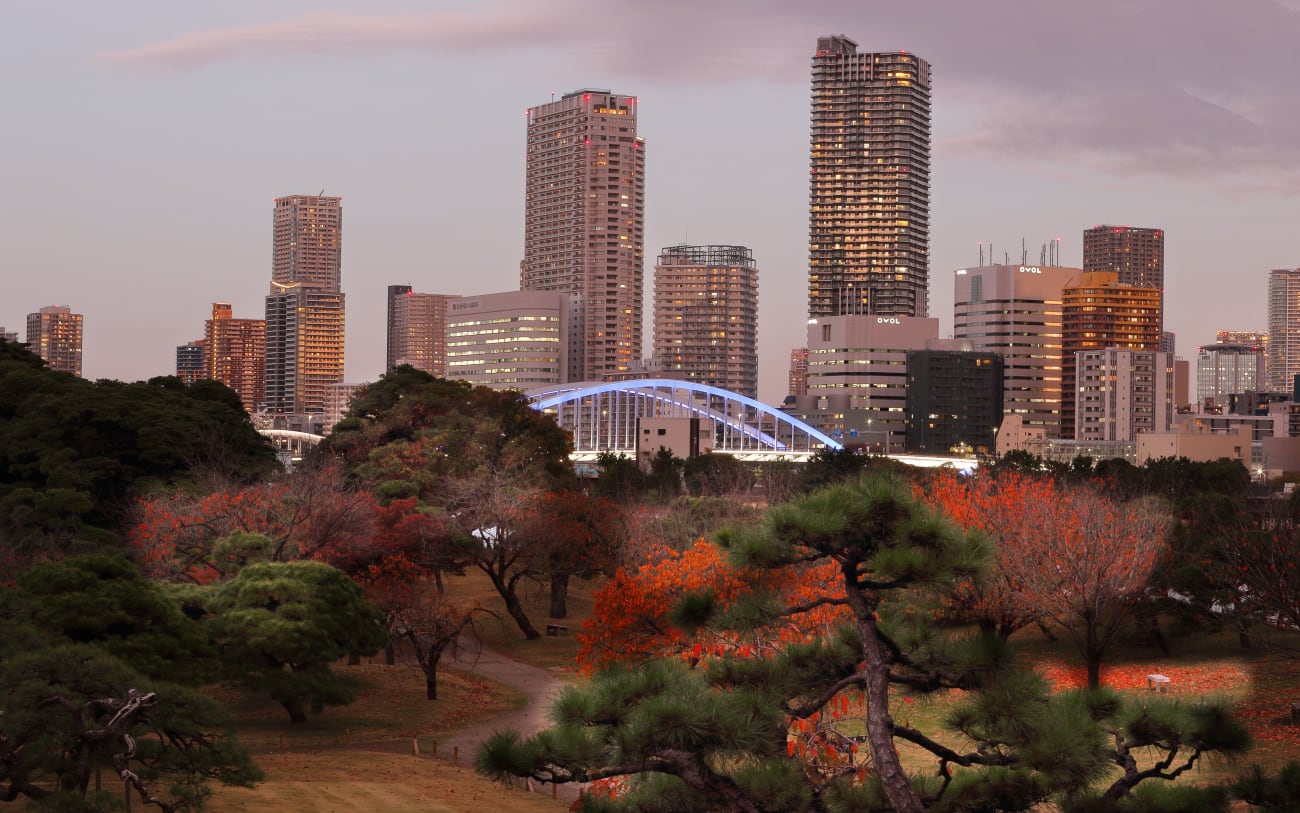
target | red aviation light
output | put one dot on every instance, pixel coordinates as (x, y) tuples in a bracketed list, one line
[(586, 97)]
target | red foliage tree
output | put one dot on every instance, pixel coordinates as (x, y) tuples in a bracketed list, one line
[(1067, 553), (312, 514)]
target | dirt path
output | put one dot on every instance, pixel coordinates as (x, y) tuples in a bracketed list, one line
[(539, 686)]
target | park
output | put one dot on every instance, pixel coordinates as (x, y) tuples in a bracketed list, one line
[(432, 612)]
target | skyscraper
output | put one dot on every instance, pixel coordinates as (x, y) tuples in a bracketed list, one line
[(54, 334), (1283, 328), (584, 222), (417, 330), (1136, 255), (1098, 313), (234, 353), (305, 308), (869, 208), (706, 316)]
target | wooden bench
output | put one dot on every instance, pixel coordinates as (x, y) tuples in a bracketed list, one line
[(557, 629), (1158, 683)]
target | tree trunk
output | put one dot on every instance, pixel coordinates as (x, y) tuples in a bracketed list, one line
[(559, 594), (354, 659), (513, 605), (297, 714), (880, 725), (437, 581), (390, 653)]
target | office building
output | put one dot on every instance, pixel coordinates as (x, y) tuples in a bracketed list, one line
[(189, 361), (1283, 328), (305, 307), (869, 204), (417, 330), (234, 353), (706, 316), (515, 340), (1223, 370), (1016, 312), (954, 401), (584, 222), (1122, 393), (1100, 312), (857, 377), (54, 333), (1135, 255)]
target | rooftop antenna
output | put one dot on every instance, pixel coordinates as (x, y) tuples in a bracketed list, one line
[(1042, 255), (1024, 253), (981, 244), (322, 192)]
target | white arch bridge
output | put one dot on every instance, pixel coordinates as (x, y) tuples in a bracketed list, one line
[(602, 417)]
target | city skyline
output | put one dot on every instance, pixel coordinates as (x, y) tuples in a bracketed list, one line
[(1068, 124)]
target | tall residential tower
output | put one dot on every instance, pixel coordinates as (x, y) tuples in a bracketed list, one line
[(706, 316), (584, 223), (305, 308), (869, 208), (1283, 328)]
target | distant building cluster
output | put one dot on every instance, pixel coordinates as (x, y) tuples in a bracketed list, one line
[(1052, 359)]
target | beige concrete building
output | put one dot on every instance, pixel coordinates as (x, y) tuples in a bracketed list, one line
[(869, 200), (417, 330), (1123, 393), (55, 334), (857, 376), (1196, 443), (706, 316), (684, 437), (1016, 311), (515, 340), (584, 224)]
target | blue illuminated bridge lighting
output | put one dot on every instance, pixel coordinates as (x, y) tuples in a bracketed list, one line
[(603, 417)]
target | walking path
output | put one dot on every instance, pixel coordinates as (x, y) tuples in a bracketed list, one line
[(539, 688)]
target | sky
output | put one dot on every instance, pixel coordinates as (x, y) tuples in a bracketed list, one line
[(142, 143)]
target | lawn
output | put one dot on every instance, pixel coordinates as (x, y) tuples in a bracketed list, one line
[(361, 757)]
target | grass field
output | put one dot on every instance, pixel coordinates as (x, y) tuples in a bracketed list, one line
[(360, 757)]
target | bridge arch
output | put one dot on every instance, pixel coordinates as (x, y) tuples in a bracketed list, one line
[(603, 417)]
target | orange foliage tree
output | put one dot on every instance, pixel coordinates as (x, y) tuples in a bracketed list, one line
[(1066, 553)]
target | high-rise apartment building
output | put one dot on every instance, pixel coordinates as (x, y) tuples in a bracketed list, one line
[(417, 330), (706, 316), (584, 222), (1100, 312), (234, 353), (54, 333), (1016, 312), (1135, 255), (305, 308), (189, 361), (1283, 328), (869, 208)]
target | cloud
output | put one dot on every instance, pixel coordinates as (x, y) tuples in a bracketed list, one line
[(1192, 88)]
